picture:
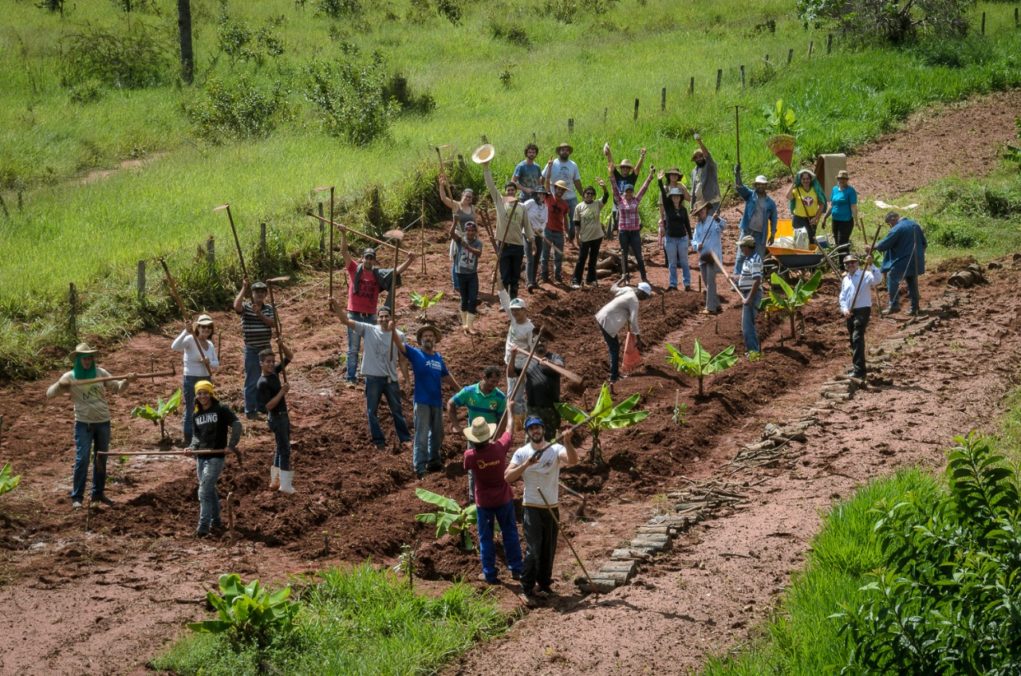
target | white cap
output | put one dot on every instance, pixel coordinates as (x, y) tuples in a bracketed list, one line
[(517, 304), (762, 179), (645, 288)]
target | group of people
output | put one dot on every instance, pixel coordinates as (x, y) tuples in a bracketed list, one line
[(537, 215)]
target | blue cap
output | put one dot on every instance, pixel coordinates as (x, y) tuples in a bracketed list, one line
[(533, 420)]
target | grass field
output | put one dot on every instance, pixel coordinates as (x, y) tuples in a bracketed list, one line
[(508, 89)]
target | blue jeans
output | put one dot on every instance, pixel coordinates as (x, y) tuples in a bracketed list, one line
[(552, 238), (428, 436), (748, 313), (208, 470), (188, 393), (86, 437), (677, 253), (893, 288), (572, 202), (504, 515), (253, 369), (280, 426), (613, 343), (760, 248), (354, 343), (468, 287), (631, 240), (376, 387)]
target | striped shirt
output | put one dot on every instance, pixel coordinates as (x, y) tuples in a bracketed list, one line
[(751, 269), (257, 334), (627, 210)]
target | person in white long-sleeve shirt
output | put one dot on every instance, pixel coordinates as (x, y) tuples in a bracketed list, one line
[(856, 306), (620, 312), (200, 362), (520, 334)]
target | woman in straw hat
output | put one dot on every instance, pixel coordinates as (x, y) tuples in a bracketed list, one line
[(807, 202), (463, 212), (843, 210), (196, 342), (494, 499), (213, 423), (91, 420)]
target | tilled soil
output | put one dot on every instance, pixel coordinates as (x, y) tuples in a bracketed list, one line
[(119, 583)]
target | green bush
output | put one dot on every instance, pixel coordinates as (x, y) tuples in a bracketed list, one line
[(350, 98), (248, 613), (337, 9), (131, 58), (236, 108), (511, 32), (949, 597)]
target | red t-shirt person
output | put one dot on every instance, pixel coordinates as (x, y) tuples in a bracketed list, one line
[(489, 463)]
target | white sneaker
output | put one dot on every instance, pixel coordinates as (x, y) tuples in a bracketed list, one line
[(76, 504)]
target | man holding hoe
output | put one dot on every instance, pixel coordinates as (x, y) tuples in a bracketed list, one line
[(257, 321), (91, 421), (538, 464)]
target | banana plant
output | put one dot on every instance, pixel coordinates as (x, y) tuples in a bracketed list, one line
[(249, 613), (701, 363), (423, 301), (8, 480), (604, 416), (158, 414), (449, 518), (783, 298)]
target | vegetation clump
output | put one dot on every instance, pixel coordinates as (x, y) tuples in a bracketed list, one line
[(236, 108), (605, 415), (133, 57), (701, 363)]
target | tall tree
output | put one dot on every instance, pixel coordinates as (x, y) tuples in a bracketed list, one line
[(184, 28)]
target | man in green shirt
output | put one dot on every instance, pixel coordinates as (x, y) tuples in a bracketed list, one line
[(483, 399)]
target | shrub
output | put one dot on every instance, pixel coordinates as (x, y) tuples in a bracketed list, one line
[(131, 58), (350, 98), (947, 599), (240, 42), (512, 33), (249, 613), (891, 21), (236, 108), (337, 9), (398, 90)]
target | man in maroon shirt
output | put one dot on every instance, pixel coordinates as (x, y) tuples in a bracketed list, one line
[(494, 498)]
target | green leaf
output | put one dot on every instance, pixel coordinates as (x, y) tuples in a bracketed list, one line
[(442, 501)]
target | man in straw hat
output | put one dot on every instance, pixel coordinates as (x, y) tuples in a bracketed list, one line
[(257, 322), (705, 183), (760, 215), (620, 312), (486, 459), (213, 423), (538, 464), (858, 314), (91, 421), (513, 230), (707, 242), (430, 374), (564, 169), (749, 282), (196, 343)]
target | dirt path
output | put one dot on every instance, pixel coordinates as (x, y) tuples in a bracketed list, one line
[(123, 588)]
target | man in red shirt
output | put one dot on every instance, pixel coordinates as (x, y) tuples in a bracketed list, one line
[(365, 282), (494, 498), (558, 211)]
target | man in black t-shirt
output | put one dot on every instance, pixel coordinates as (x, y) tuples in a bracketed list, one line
[(272, 396)]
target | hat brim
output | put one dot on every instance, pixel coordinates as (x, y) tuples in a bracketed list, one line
[(429, 327), (566, 146), (467, 431)]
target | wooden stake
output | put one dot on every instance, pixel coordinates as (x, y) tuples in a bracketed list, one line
[(421, 231), (636, 108), (140, 281), (742, 77), (72, 314), (570, 125), (691, 86), (983, 23), (790, 55), (719, 78), (829, 40), (811, 48), (662, 100)]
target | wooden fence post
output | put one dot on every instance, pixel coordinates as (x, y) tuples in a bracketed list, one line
[(605, 113), (691, 86), (1017, 18), (742, 77), (211, 251), (263, 251), (72, 314), (636, 109), (719, 78), (983, 23), (322, 231), (570, 125), (811, 48), (662, 100), (790, 55), (140, 281), (829, 43)]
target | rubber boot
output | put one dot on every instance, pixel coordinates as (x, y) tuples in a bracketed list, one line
[(274, 478), (470, 321), (286, 479)]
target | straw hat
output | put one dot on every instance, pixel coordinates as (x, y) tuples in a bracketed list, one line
[(204, 320), (423, 329), (748, 241), (626, 163), (484, 154), (762, 180), (480, 431), (84, 348), (565, 145), (561, 184), (843, 174), (699, 206), (673, 170)]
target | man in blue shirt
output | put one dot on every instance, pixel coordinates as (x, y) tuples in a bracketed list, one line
[(430, 374), (759, 213), (528, 175), (903, 258)]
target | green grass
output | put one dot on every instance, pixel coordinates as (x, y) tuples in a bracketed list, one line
[(94, 234), (360, 621), (801, 639)]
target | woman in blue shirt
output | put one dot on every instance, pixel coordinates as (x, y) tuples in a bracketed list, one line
[(843, 210)]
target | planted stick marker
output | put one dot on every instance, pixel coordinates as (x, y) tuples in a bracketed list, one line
[(691, 86), (719, 78), (983, 23), (636, 108), (790, 55), (742, 77), (811, 48), (829, 40), (322, 228), (662, 100), (570, 125)]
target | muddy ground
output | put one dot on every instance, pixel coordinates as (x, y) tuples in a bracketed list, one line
[(102, 593)]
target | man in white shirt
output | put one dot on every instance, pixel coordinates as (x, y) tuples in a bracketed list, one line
[(564, 169), (856, 306), (538, 464), (620, 312)]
